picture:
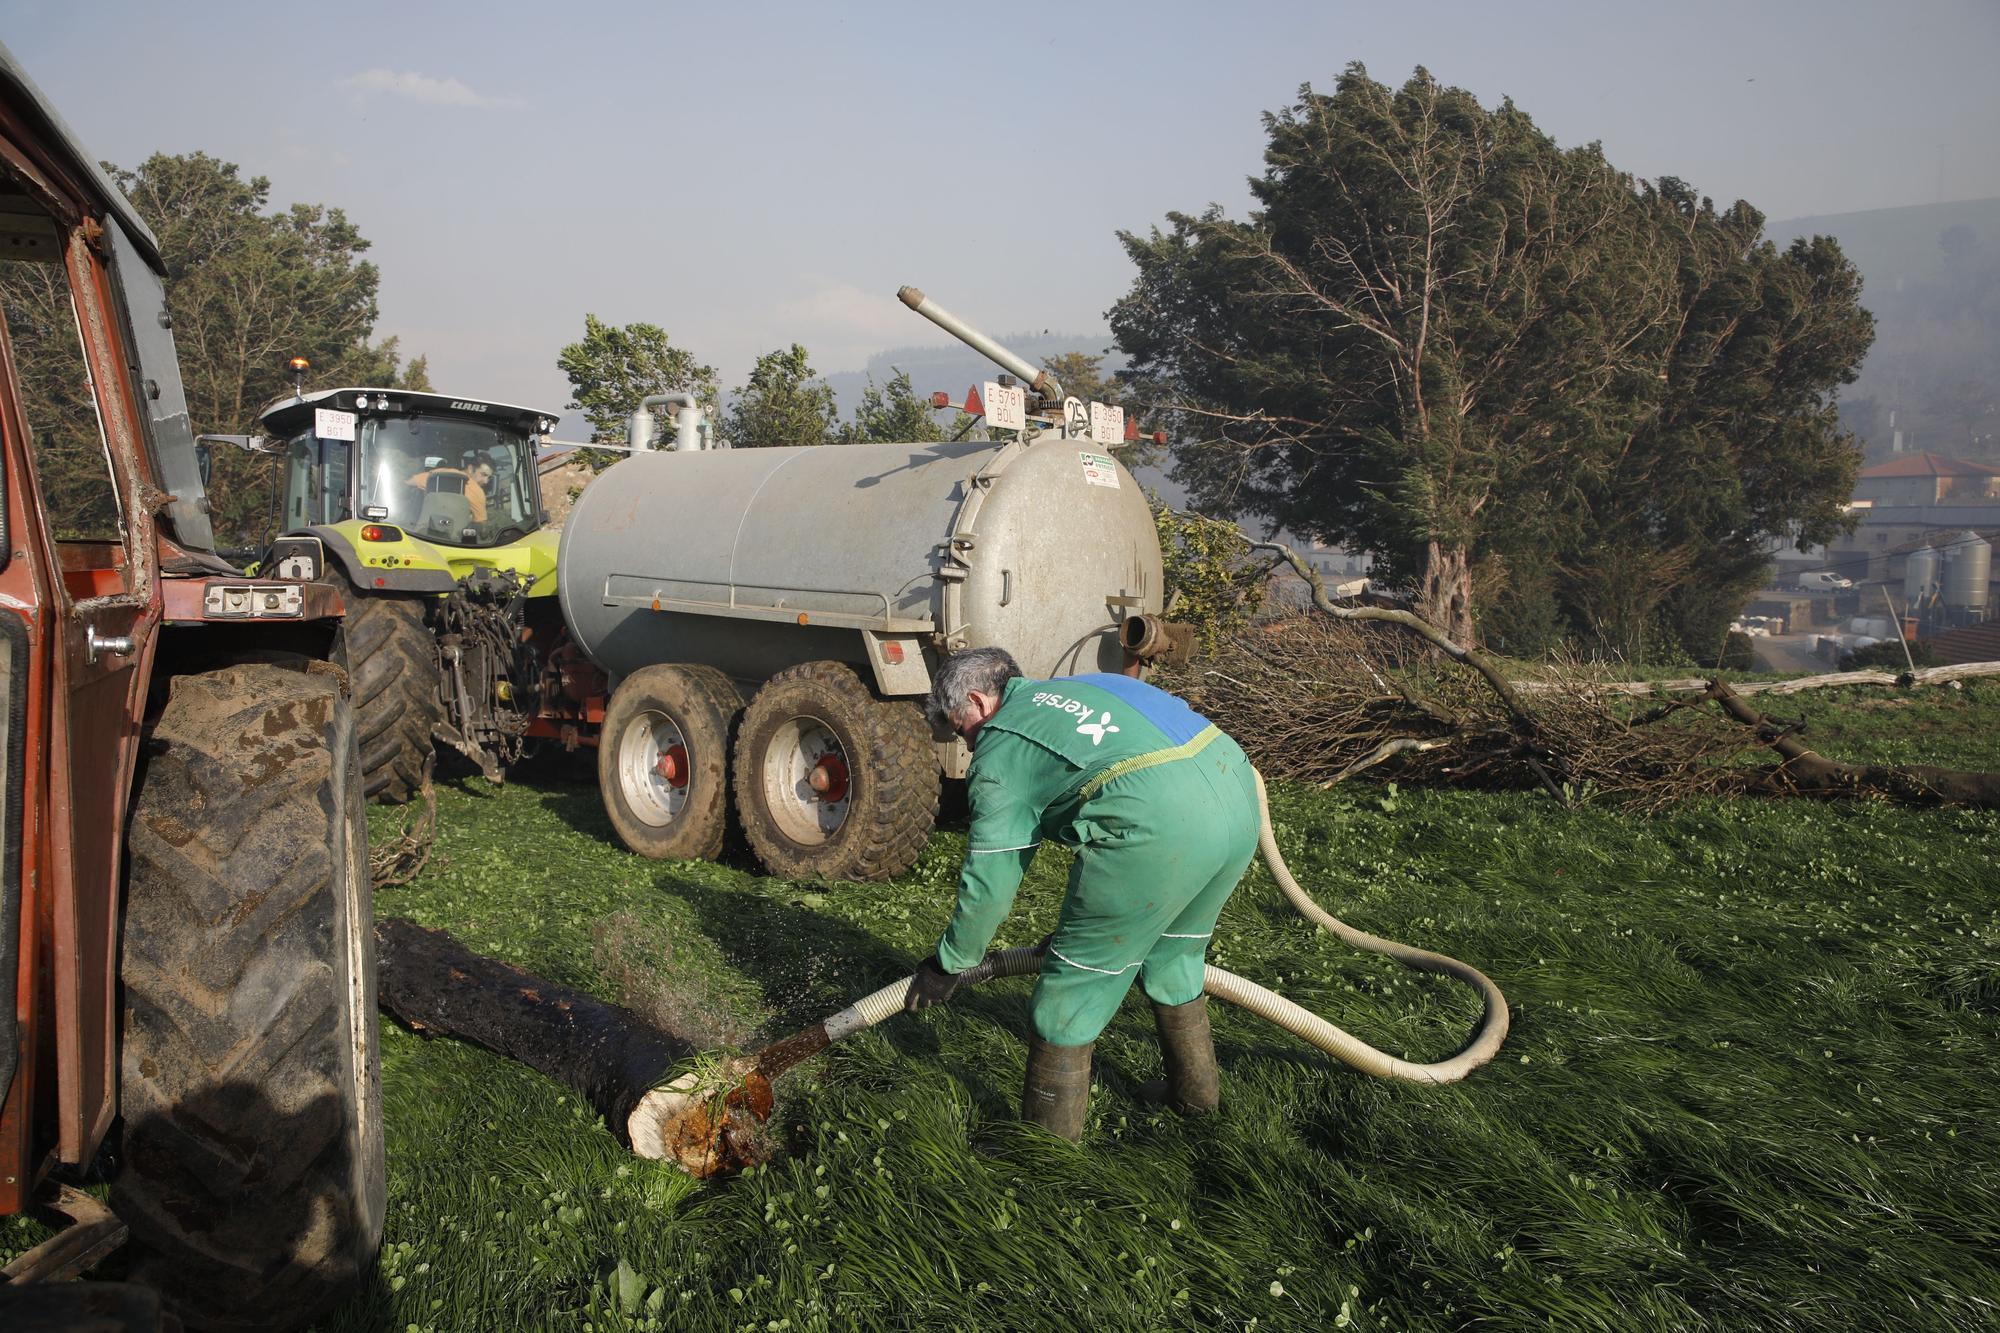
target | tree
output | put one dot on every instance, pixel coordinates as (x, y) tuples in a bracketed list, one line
[(892, 413), (247, 290), (612, 368), (1446, 340), (1663, 533), (250, 290), (785, 402)]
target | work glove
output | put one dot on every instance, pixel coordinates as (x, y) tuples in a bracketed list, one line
[(931, 985)]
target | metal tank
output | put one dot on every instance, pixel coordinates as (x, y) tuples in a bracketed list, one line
[(757, 559), (771, 614), (1920, 578), (1968, 570)]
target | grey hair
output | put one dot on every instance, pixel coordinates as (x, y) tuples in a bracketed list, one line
[(984, 669)]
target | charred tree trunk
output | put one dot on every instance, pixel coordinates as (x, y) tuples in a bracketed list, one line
[(438, 987)]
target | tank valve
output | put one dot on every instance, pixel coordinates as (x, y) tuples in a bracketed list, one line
[(1151, 638)]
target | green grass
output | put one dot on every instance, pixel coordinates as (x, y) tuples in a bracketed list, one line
[(1749, 1086), (1951, 728)]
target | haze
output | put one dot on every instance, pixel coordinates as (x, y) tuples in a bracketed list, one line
[(757, 174)]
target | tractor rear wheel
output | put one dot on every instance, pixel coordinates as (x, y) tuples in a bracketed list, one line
[(663, 760), (250, 1087), (393, 659), (831, 781)]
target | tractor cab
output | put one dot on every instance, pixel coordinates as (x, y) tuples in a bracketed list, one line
[(452, 471)]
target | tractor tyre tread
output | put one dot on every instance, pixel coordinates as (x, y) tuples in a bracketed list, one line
[(392, 656), (251, 1167), (896, 779), (706, 700)]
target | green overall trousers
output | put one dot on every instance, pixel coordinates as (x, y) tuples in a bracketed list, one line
[(1162, 810)]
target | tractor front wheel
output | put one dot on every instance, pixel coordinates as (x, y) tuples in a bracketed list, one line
[(832, 782), (393, 658)]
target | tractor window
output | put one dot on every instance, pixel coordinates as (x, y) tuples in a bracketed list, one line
[(459, 481), (58, 399), (315, 481)]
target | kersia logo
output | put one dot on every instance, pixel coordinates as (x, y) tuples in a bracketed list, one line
[(1097, 730)]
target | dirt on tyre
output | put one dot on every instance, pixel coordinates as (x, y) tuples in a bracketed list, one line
[(393, 660), (252, 1163), (663, 760), (830, 780)]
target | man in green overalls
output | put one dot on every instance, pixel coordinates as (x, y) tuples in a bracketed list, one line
[(1162, 810)]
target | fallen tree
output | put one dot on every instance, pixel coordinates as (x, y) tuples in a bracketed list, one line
[(1327, 696), (437, 987)]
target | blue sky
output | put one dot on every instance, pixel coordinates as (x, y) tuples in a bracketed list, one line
[(755, 174)]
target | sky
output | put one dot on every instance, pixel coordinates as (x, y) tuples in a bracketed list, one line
[(749, 175)]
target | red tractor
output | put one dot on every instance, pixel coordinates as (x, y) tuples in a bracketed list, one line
[(186, 969)]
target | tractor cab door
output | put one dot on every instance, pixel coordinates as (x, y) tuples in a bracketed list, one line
[(83, 585), (316, 482)]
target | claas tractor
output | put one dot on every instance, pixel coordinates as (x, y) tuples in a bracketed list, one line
[(430, 513)]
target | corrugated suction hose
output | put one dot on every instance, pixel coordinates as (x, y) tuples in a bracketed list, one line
[(1295, 1019), (688, 1119)]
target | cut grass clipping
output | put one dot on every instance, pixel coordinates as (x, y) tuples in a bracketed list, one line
[(1749, 1086)]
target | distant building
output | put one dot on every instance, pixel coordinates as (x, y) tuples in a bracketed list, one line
[(1907, 500), (1919, 480)]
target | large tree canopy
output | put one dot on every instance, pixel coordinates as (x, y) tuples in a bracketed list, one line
[(250, 290), (1519, 378), (247, 290)]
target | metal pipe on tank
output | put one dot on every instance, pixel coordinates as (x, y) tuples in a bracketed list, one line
[(687, 421), (1043, 383)]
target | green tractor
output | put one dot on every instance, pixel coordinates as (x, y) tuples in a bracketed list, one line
[(431, 514)]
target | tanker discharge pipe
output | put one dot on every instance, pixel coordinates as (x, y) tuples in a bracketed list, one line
[(1043, 383), (685, 1119)]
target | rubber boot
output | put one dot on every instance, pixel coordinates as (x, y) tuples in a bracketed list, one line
[(1057, 1092), (1193, 1085)]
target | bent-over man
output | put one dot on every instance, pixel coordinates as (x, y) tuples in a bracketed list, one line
[(1162, 810)]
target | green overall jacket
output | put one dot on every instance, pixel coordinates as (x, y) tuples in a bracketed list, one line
[(1159, 802)]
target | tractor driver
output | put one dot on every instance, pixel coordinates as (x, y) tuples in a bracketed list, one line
[(478, 474), (1162, 809)]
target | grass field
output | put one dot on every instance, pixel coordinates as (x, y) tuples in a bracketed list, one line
[(1750, 1084)]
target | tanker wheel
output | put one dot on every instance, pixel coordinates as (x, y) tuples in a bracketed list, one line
[(250, 1086), (393, 658), (831, 781), (663, 760)]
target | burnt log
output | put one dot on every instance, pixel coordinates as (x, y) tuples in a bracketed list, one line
[(435, 986)]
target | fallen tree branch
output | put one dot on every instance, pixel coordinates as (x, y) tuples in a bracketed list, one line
[(1385, 751), (1409, 620), (1942, 675), (401, 858), (1810, 773)]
